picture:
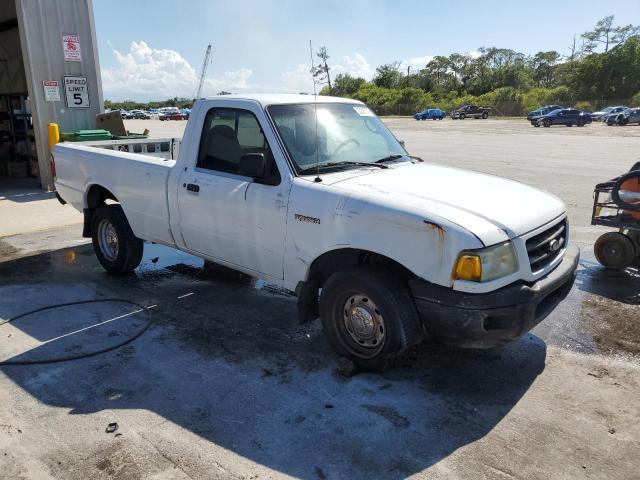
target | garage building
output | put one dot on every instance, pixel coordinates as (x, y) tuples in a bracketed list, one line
[(49, 72)]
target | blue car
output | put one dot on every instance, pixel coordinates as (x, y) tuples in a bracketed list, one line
[(430, 113), (564, 116), (539, 112)]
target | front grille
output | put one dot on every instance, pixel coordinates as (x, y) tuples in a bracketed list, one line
[(545, 247)]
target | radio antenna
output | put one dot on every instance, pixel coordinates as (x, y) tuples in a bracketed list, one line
[(315, 113)]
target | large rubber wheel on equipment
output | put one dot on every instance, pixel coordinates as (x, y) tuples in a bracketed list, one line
[(117, 248), (368, 316), (615, 250)]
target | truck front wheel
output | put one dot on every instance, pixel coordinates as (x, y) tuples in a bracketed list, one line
[(368, 316), (117, 248)]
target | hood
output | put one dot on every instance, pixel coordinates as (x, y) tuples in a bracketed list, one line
[(490, 207)]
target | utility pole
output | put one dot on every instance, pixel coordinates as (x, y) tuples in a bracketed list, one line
[(203, 72)]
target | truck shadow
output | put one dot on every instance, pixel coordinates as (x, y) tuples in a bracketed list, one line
[(227, 361)]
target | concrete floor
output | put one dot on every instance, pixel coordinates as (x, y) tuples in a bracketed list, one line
[(24, 208), (225, 384)]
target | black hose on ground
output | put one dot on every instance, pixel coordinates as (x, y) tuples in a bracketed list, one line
[(79, 355)]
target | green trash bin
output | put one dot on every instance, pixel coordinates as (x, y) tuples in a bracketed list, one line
[(86, 136)]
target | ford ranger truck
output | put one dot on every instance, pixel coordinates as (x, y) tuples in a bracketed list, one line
[(321, 199)]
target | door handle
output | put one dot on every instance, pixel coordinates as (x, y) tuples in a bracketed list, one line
[(192, 187)]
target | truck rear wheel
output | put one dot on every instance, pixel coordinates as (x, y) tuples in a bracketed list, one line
[(368, 316), (117, 248), (615, 250)]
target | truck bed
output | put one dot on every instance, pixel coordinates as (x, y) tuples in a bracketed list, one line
[(137, 180)]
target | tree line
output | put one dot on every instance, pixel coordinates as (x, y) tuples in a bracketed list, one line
[(603, 65)]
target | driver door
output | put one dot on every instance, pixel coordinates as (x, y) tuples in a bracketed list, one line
[(227, 216)]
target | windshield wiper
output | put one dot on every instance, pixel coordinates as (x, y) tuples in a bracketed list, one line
[(389, 158), (325, 166)]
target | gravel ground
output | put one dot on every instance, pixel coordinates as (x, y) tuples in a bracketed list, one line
[(225, 384)]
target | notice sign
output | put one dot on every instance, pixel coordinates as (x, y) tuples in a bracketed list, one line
[(76, 91), (71, 47), (51, 90)]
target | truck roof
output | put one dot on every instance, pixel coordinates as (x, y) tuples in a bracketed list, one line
[(266, 99)]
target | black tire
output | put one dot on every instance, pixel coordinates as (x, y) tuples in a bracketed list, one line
[(394, 320), (462, 116), (546, 123), (615, 250), (110, 223), (485, 115)]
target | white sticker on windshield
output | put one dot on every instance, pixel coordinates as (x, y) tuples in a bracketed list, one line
[(364, 111)]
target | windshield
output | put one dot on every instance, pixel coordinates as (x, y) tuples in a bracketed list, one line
[(346, 133)]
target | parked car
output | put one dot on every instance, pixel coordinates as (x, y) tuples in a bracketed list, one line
[(172, 113), (430, 113), (601, 115), (125, 114), (470, 111), (173, 116), (381, 267), (625, 117), (139, 114), (564, 116), (535, 114)]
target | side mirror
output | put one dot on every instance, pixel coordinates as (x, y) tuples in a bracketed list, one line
[(252, 165)]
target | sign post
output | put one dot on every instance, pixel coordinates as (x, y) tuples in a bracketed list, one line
[(71, 48), (76, 92), (51, 90)]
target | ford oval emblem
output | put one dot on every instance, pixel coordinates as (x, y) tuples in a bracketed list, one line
[(554, 245)]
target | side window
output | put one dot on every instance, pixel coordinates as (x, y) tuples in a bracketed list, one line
[(227, 135)]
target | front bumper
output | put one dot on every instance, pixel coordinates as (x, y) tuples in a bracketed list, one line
[(491, 319)]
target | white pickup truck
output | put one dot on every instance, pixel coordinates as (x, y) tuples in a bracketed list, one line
[(323, 200)]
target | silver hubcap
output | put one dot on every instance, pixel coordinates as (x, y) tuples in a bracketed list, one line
[(108, 240), (363, 321)]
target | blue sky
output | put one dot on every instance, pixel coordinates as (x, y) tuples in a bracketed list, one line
[(153, 49)]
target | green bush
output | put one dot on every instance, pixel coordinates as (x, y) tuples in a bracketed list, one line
[(635, 100)]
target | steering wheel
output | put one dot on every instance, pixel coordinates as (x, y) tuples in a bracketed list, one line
[(345, 143)]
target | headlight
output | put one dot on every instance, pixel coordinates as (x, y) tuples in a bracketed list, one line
[(486, 264)]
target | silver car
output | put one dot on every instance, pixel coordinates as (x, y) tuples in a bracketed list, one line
[(625, 117), (602, 115)]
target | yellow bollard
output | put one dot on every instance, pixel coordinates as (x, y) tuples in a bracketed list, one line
[(54, 135)]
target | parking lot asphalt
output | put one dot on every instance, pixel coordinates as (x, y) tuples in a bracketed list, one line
[(224, 383)]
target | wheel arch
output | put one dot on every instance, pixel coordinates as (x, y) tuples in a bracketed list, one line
[(95, 196), (332, 261)]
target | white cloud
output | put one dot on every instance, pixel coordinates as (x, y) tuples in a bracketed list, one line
[(162, 73), (299, 79), (416, 63)]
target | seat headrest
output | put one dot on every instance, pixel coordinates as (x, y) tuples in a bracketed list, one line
[(225, 131)]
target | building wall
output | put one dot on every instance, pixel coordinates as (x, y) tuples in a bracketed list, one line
[(41, 25)]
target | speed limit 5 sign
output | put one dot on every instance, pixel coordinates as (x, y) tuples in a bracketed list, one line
[(76, 92)]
